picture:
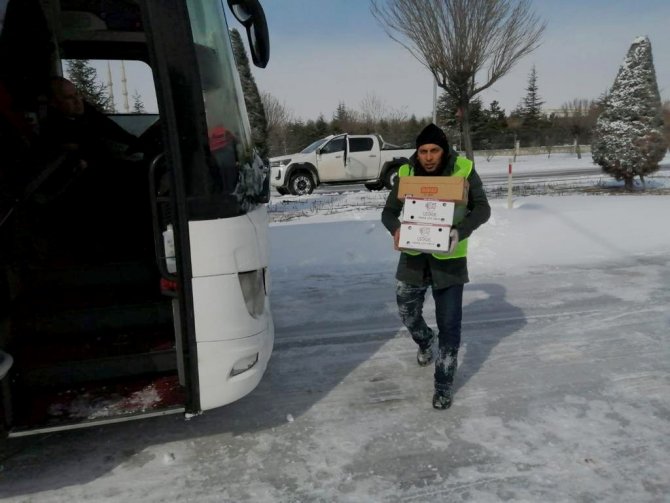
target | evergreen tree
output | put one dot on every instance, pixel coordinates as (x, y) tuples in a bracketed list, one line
[(298, 136), (628, 140), (449, 116), (531, 107), (252, 98), (138, 105), (495, 117), (321, 127), (447, 111), (494, 128), (85, 79), (343, 119)]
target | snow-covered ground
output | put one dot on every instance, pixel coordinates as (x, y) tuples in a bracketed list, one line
[(563, 388)]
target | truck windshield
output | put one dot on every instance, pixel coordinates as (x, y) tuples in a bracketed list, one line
[(313, 146)]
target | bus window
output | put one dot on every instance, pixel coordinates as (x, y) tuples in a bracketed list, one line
[(120, 86), (124, 90)]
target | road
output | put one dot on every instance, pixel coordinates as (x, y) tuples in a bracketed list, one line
[(562, 395)]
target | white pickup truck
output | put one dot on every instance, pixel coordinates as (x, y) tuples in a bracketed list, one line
[(341, 158)]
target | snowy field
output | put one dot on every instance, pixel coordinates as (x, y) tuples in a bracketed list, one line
[(563, 388)]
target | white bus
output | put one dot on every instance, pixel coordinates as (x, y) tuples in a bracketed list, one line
[(133, 280)]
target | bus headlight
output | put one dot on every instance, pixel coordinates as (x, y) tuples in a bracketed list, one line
[(244, 364), (253, 290)]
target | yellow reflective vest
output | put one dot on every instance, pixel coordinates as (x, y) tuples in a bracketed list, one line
[(463, 167)]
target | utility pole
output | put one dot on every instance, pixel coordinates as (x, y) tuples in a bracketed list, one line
[(110, 84), (124, 87)]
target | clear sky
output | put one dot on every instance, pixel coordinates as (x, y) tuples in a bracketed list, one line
[(328, 51)]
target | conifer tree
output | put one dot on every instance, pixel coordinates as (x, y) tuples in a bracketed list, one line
[(85, 79), (138, 104), (531, 107), (628, 140), (449, 117), (495, 116), (252, 98), (320, 127), (343, 119)]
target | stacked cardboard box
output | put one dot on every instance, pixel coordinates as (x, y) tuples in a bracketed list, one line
[(428, 211), (443, 188)]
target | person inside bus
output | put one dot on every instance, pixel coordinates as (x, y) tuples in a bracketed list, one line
[(77, 127), (85, 143), (96, 189)]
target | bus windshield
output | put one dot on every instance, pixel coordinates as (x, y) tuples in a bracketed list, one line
[(228, 130)]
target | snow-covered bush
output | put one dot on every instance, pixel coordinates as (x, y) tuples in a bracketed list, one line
[(628, 139)]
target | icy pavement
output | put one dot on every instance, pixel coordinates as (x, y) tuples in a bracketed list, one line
[(563, 389), (563, 395)]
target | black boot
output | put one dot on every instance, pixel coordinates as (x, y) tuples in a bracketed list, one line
[(445, 370), (426, 354), (443, 396)]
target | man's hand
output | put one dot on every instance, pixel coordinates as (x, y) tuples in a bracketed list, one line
[(396, 239), (453, 240)]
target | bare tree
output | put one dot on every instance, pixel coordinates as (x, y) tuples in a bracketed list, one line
[(372, 110), (278, 119), (579, 116), (457, 39)]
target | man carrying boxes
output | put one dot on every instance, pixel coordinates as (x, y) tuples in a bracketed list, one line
[(436, 203)]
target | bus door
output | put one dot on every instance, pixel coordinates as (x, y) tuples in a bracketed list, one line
[(209, 189)]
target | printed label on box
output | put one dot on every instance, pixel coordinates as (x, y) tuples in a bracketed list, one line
[(424, 237), (446, 188), (428, 211)]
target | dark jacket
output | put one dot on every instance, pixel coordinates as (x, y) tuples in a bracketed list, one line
[(93, 133), (417, 269)]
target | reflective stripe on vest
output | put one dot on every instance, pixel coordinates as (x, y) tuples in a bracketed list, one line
[(463, 168)]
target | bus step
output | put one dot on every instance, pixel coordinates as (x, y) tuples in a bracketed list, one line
[(49, 321), (30, 375), (97, 401)]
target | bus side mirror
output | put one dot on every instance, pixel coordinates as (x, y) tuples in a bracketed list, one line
[(251, 15)]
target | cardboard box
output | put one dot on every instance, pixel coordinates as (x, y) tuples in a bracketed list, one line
[(447, 188), (424, 237), (428, 211)]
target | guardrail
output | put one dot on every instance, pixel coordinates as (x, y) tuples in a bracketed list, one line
[(509, 152)]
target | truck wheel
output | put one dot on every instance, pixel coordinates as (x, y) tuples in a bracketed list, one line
[(301, 184), (282, 191), (391, 175)]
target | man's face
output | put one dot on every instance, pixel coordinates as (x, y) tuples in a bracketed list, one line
[(67, 99), (430, 156)]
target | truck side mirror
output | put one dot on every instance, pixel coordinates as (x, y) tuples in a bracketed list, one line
[(251, 15)]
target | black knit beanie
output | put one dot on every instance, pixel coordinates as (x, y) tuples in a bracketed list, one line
[(432, 134)]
